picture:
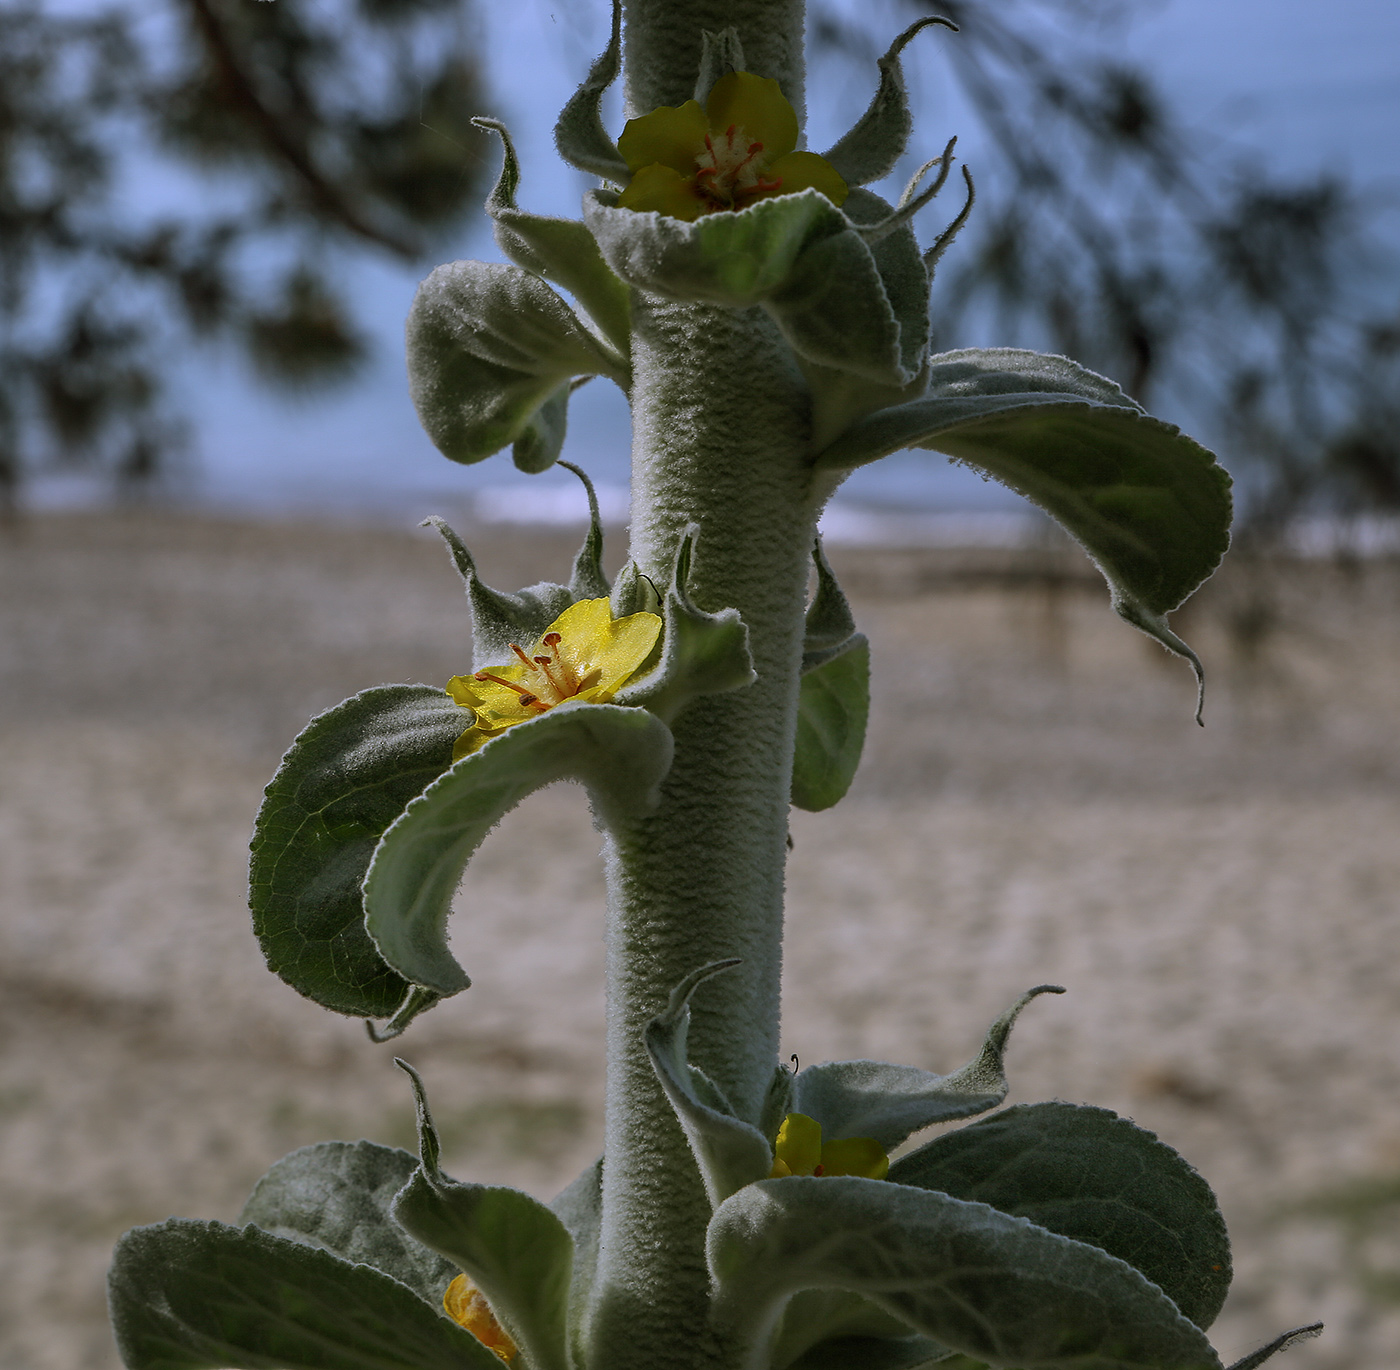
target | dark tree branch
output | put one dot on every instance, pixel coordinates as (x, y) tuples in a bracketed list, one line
[(241, 91)]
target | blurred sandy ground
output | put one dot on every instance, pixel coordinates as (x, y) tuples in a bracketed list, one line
[(1035, 805)]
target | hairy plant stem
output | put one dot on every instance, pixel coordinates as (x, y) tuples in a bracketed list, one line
[(721, 439), (663, 44)]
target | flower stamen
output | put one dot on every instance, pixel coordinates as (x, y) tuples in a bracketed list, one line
[(525, 696), (585, 655)]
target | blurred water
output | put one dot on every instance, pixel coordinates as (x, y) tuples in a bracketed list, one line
[(1268, 78)]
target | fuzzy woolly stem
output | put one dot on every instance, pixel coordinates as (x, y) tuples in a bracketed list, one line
[(662, 53), (721, 439)]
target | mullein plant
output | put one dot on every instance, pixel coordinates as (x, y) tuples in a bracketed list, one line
[(768, 320)]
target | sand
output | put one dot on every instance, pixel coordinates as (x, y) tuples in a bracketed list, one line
[(1035, 805)]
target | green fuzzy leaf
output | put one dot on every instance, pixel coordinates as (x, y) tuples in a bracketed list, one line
[(1151, 506), (832, 1328), (542, 439), (874, 146), (512, 1247), (833, 705), (871, 1353), (729, 1152), (337, 1196), (190, 1295), (829, 625), (733, 259), (777, 1104), (989, 1285), (856, 308), (889, 1103), (347, 777), (833, 309), (579, 134), (1088, 1174), (839, 398), (620, 754), (489, 344), (701, 653), (903, 275), (580, 1209), (562, 250)]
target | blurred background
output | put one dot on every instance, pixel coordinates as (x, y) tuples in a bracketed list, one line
[(213, 215)]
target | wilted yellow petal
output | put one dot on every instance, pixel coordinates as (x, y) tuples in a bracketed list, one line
[(664, 190), (675, 137), (466, 1305), (799, 1145), (806, 171), (757, 105), (855, 1156)]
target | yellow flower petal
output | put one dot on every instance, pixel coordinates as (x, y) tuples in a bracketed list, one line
[(585, 654), (675, 137), (593, 640), (799, 1145), (466, 1305), (806, 171), (660, 188), (855, 1156), (758, 106)]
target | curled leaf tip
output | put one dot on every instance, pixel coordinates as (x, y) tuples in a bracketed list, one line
[(945, 239), (918, 26), (418, 1000), (1283, 1343)]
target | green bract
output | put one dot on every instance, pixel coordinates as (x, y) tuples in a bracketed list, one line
[(834, 698), (515, 1250), (736, 259)]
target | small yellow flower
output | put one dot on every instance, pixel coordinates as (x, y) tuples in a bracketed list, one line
[(799, 1151), (584, 654), (466, 1305), (687, 161)]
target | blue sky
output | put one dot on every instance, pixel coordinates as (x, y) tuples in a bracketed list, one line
[(1273, 81)]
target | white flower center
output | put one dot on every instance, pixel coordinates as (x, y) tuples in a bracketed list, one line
[(731, 168)]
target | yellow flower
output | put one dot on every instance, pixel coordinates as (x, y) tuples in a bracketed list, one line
[(466, 1305), (689, 161), (800, 1152), (584, 654)]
